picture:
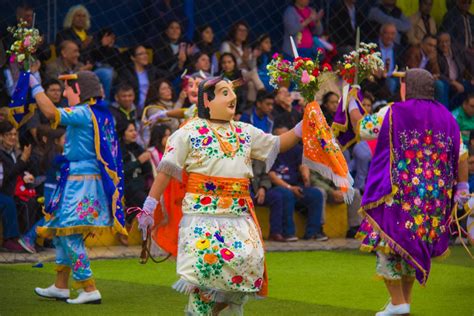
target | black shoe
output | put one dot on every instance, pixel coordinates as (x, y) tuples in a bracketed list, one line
[(352, 232), (317, 237), (320, 237)]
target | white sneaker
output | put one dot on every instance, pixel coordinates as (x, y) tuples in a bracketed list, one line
[(391, 310), (87, 298), (53, 292)]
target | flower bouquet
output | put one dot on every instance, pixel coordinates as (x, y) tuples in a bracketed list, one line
[(321, 152), (26, 42), (361, 64), (304, 72)]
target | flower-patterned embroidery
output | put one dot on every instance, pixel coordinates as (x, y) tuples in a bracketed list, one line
[(371, 124), (214, 204), (420, 169), (80, 262), (88, 209), (204, 141)]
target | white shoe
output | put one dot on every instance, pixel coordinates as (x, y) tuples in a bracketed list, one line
[(391, 310), (53, 292), (87, 298)]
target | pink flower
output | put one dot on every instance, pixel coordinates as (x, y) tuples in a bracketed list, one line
[(203, 130), (410, 154), (428, 174), (238, 130), (305, 77), (417, 201), (275, 56), (226, 254), (12, 58), (27, 41), (258, 283)]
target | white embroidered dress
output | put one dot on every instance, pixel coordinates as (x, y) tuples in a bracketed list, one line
[(219, 246)]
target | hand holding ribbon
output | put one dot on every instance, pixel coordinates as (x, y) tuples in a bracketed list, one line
[(462, 193), (145, 215)]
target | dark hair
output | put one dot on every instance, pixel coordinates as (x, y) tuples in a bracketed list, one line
[(368, 95), (124, 87), (261, 39), (326, 97), (132, 51), (195, 58), (199, 30), (122, 128), (264, 94), (167, 25), (65, 43), (103, 32), (51, 149), (158, 132), (207, 86), (231, 56), (429, 36), (279, 125), (51, 82), (469, 96), (6, 127), (233, 30), (153, 95)]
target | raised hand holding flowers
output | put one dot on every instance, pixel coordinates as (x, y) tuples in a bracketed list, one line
[(26, 42)]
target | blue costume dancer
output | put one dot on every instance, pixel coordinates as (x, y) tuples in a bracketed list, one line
[(90, 190)]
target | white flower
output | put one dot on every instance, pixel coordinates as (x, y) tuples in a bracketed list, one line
[(20, 57)]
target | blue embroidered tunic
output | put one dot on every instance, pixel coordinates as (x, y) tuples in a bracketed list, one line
[(82, 206)]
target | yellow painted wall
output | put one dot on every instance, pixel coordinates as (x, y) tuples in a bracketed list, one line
[(409, 7)]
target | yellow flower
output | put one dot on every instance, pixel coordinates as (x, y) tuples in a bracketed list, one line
[(419, 219), (202, 244), (435, 222), (406, 206), (309, 63), (418, 170), (415, 181), (369, 125), (312, 78), (437, 172), (347, 66), (429, 188), (236, 186)]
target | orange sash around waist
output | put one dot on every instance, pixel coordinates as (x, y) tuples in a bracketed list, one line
[(219, 186)]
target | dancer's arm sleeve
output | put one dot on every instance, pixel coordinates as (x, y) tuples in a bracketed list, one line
[(176, 153), (370, 125), (78, 115), (264, 146)]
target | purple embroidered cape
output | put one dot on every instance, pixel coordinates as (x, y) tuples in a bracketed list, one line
[(407, 203), (341, 125)]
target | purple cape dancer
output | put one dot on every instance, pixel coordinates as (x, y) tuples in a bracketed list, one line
[(408, 199)]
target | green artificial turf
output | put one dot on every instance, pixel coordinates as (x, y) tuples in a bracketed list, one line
[(301, 283)]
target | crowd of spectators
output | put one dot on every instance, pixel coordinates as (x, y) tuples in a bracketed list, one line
[(145, 78)]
